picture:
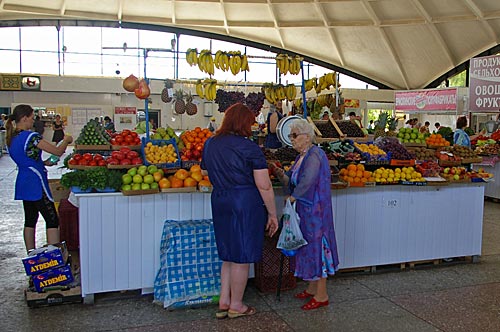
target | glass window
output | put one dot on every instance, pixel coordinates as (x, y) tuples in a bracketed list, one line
[(71, 37), (9, 38), (39, 62), (81, 64), (10, 62), (39, 39)]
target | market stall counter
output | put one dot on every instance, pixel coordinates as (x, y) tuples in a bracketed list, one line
[(120, 235)]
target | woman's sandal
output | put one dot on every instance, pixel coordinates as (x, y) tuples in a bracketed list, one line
[(235, 314), (221, 314), (313, 304), (303, 295)]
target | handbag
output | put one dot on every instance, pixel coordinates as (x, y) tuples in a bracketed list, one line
[(291, 237)]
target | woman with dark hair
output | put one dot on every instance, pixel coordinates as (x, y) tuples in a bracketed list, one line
[(109, 124), (32, 185), (460, 137), (58, 127), (243, 205)]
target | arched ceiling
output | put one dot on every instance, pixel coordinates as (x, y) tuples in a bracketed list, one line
[(401, 44)]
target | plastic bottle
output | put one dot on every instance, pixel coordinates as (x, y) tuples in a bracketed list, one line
[(53, 158)]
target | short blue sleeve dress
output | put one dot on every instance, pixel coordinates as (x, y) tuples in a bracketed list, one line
[(238, 211)]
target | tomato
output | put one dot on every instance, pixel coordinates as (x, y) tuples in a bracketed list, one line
[(125, 162), (77, 156), (101, 162), (126, 132), (112, 161), (132, 154), (98, 157), (92, 163), (87, 156), (118, 155), (129, 139), (113, 141), (137, 161), (137, 141), (119, 140), (134, 134), (72, 161), (83, 162), (125, 150)]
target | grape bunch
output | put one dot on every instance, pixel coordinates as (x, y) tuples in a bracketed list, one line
[(254, 101), (392, 145), (227, 98)]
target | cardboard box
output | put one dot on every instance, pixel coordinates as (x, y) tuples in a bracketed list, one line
[(53, 297), (53, 277), (45, 258), (58, 191)]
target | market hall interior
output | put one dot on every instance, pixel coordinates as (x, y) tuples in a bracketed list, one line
[(454, 296)]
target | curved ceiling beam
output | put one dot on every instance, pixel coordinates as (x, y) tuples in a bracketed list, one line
[(223, 8), (385, 38), (276, 25), (439, 38), (474, 8), (331, 33)]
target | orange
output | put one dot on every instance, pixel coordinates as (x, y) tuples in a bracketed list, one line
[(360, 167), (366, 174), (351, 173), (205, 183), (177, 183), (205, 177), (181, 174), (352, 167), (195, 168), (197, 176), (190, 182), (164, 183), (359, 173)]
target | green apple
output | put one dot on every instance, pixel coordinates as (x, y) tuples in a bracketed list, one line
[(136, 186), (456, 177), (126, 187), (145, 186), (154, 185), (142, 170), (152, 169), (126, 179), (148, 178), (137, 179), (132, 171)]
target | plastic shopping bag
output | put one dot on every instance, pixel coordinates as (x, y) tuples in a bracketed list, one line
[(291, 237)]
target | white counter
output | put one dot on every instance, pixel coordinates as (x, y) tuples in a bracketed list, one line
[(120, 235)]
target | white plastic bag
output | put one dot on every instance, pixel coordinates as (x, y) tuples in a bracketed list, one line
[(290, 237)]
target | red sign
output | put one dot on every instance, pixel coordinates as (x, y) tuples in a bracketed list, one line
[(484, 84), (426, 100), (125, 110)]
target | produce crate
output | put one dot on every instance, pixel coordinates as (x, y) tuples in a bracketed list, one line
[(131, 147), (82, 167), (472, 160), (140, 192), (121, 166), (179, 190), (161, 142), (267, 270), (187, 164), (396, 162), (105, 147), (53, 297), (414, 183)]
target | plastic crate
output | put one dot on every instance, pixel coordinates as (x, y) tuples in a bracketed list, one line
[(267, 271), (161, 142)]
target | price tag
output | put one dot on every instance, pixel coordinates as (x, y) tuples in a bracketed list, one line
[(391, 203)]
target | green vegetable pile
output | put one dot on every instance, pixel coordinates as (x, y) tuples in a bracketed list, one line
[(96, 177)]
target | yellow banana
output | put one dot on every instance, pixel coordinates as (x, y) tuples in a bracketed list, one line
[(244, 63), (188, 57), (199, 89), (319, 85), (237, 63), (210, 63), (269, 94), (280, 62), (217, 59), (201, 62), (213, 90)]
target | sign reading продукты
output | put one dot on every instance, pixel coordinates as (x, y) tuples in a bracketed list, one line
[(484, 84), (426, 100)]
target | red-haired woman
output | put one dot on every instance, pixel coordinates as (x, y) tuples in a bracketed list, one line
[(243, 205)]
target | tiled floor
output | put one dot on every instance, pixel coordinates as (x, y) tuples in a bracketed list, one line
[(452, 297)]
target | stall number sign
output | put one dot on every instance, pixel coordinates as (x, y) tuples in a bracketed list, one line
[(390, 203)]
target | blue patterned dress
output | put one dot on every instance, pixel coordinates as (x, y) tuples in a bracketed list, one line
[(310, 185), (238, 211)]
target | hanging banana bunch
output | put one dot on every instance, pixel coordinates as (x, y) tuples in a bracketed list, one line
[(326, 81), (206, 62), (310, 84), (287, 64), (235, 62), (280, 92), (207, 89), (269, 93), (192, 56), (244, 63), (290, 92)]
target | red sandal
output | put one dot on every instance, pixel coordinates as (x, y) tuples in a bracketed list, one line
[(303, 295), (313, 304)]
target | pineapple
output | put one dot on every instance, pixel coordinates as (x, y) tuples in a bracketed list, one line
[(392, 123), (164, 93), (380, 127), (179, 105), (191, 108)]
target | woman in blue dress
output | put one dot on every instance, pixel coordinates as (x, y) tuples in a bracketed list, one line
[(273, 117), (243, 205), (308, 183), (32, 185), (460, 137)]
